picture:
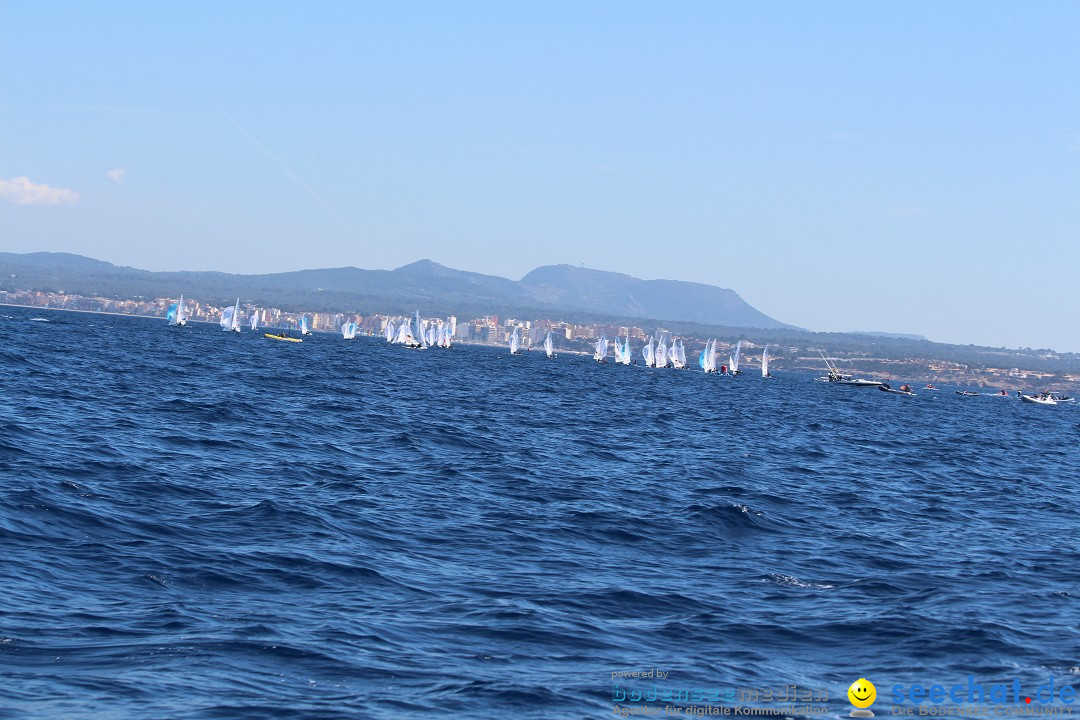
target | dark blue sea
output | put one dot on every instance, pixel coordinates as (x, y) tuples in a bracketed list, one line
[(195, 524)]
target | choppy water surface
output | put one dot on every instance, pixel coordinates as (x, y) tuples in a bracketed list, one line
[(198, 524)]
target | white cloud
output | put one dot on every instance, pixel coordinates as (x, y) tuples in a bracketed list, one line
[(22, 191), (116, 175)]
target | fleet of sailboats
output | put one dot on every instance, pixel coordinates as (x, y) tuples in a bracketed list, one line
[(421, 334), (418, 333), (656, 353)]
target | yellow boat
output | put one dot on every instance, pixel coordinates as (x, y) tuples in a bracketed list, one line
[(281, 337)]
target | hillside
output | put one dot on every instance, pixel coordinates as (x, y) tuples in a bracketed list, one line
[(575, 294)]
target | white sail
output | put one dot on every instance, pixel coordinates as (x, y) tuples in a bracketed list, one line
[(707, 359), (648, 354), (616, 350), (348, 330), (600, 349), (230, 318), (389, 331), (254, 320), (678, 354), (661, 353), (765, 361), (734, 359), (402, 333), (304, 328), (176, 313), (447, 338), (549, 345), (515, 341), (625, 358), (419, 338)]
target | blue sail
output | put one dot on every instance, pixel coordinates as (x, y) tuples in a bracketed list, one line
[(171, 314)]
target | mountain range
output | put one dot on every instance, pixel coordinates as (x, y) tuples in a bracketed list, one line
[(553, 291)]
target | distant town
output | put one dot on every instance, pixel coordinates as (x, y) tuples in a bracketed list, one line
[(569, 337)]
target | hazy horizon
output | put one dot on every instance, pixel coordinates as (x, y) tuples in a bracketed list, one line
[(847, 167)]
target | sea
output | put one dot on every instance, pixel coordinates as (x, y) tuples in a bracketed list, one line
[(200, 524)]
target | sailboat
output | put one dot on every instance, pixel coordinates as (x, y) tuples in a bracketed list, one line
[(733, 360), (515, 342), (661, 356), (175, 314), (304, 328), (348, 330), (254, 319), (230, 318), (765, 362), (416, 340), (549, 345), (600, 350), (707, 359), (648, 353), (624, 356), (389, 331), (620, 352), (403, 337), (678, 355), (448, 334)]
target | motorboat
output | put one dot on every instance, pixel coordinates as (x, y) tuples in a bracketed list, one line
[(838, 378)]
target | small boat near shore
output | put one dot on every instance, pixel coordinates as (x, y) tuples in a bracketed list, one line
[(838, 378), (967, 393), (281, 336), (1040, 399)]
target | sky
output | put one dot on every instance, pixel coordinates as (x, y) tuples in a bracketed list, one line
[(906, 167)]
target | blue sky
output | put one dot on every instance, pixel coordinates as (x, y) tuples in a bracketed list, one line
[(912, 167)]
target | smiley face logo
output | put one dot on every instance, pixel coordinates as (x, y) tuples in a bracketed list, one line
[(862, 694)]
